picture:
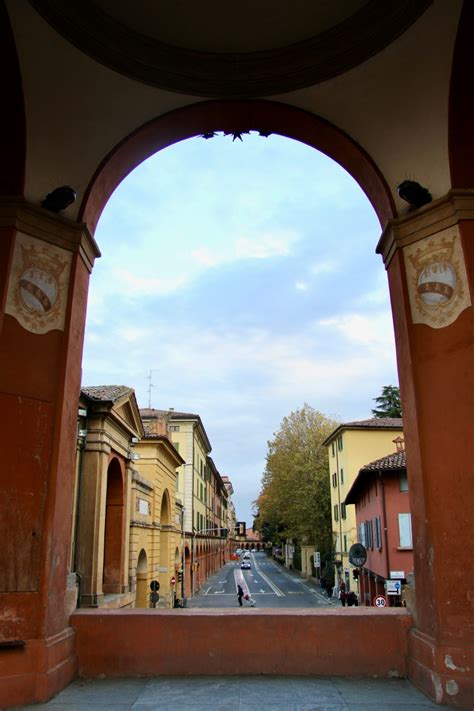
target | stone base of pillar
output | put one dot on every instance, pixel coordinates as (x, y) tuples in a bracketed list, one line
[(39, 670), (443, 671)]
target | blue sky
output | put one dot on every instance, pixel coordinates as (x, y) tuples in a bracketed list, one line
[(244, 275)]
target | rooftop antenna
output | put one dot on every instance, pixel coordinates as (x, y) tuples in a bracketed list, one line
[(150, 386)]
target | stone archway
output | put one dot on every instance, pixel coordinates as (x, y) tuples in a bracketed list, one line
[(142, 580), (235, 117), (434, 358), (114, 529), (165, 524), (431, 360)]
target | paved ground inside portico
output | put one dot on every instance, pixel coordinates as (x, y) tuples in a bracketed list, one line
[(238, 694)]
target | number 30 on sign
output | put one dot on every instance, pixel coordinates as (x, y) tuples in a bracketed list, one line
[(380, 601)]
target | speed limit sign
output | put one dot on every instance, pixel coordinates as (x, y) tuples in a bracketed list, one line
[(380, 601)]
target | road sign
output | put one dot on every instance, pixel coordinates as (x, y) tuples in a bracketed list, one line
[(154, 585), (400, 574), (357, 554), (380, 601), (317, 559), (173, 580), (394, 587)]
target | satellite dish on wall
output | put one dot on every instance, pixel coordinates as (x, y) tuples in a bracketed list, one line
[(357, 554)]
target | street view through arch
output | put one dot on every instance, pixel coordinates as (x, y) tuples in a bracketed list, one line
[(238, 282)]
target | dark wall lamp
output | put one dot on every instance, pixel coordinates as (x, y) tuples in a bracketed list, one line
[(414, 193), (59, 199)]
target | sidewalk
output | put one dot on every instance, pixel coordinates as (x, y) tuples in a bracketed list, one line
[(238, 694)]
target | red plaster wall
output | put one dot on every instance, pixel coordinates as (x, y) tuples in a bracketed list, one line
[(193, 642), (396, 502), (39, 389), (366, 510)]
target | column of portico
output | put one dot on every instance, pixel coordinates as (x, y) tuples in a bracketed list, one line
[(92, 507), (43, 307), (429, 257), (126, 581)]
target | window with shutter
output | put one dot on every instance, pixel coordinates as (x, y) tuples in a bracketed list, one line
[(378, 533), (403, 481), (404, 528)]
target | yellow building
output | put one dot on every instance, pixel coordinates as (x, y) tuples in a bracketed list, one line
[(350, 446), (127, 524), (198, 483), (155, 522), (108, 426)]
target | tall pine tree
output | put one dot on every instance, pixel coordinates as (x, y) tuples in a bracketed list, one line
[(388, 402)]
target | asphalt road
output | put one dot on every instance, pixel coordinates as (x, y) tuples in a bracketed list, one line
[(268, 584)]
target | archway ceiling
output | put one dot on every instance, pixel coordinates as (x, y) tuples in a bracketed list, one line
[(78, 109), (258, 49)]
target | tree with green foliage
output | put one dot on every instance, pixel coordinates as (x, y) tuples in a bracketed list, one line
[(388, 402), (295, 500)]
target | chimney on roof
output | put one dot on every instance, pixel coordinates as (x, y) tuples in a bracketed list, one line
[(400, 444), (158, 426)]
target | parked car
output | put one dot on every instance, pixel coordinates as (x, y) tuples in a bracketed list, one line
[(245, 564), (238, 551)]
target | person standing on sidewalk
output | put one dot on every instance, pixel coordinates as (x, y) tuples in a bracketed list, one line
[(342, 593)]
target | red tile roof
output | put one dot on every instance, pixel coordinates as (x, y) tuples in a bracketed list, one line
[(149, 413), (375, 423), (106, 393), (391, 461)]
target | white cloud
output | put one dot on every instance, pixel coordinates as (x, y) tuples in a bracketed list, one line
[(325, 266), (132, 334), (374, 331), (255, 364), (136, 284), (265, 245), (379, 294), (204, 257), (302, 285)]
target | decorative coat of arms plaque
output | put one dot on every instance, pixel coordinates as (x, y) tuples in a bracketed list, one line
[(37, 292), (437, 280)]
